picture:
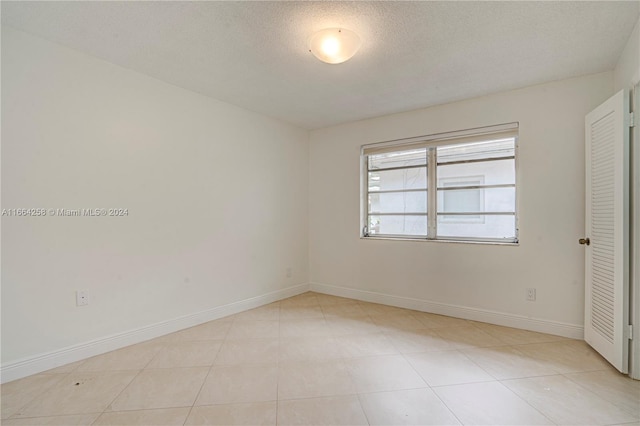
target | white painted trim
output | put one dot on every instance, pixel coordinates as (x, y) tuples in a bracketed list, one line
[(573, 331), (634, 278), (46, 361)]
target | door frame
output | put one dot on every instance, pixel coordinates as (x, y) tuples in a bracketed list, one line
[(634, 227)]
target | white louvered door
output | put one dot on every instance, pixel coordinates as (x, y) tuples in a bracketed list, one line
[(607, 230)]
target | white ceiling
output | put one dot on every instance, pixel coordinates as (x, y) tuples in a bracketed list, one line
[(414, 54)]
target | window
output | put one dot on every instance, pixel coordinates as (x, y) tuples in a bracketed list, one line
[(455, 186)]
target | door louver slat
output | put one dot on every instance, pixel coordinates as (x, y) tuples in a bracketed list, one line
[(602, 186)]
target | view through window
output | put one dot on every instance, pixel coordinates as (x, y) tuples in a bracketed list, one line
[(452, 188)]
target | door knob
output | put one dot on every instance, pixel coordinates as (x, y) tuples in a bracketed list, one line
[(583, 241)]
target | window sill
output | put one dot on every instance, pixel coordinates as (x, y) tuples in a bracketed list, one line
[(491, 243)]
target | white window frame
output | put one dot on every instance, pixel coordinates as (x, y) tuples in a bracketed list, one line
[(510, 130)]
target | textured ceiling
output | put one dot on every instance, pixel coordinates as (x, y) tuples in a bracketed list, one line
[(414, 54)]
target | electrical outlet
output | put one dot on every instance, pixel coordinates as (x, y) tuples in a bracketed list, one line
[(289, 272), (531, 294), (82, 298)]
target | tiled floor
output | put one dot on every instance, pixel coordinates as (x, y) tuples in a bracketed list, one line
[(318, 359)]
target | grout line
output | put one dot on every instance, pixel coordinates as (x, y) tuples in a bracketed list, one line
[(224, 339), (38, 394), (337, 395), (162, 348), (415, 370), (119, 393), (362, 408), (199, 391), (52, 416), (567, 376), (447, 407), (526, 402), (207, 375), (475, 363)]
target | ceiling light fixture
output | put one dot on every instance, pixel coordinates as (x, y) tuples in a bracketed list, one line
[(334, 45)]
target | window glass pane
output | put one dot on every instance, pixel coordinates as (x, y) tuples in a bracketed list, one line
[(398, 225), (476, 150), (486, 226), (398, 202), (477, 200), (413, 157), (390, 180), (486, 173)]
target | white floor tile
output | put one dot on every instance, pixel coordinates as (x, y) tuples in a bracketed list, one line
[(320, 359)]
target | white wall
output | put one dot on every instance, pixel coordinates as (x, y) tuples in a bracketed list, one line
[(217, 199), (627, 71), (480, 277)]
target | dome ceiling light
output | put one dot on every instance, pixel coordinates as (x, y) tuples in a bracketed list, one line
[(334, 45)]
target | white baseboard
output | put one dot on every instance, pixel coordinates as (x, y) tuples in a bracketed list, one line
[(43, 362), (557, 328)]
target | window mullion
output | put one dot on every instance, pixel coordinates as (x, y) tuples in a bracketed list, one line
[(364, 166), (432, 193)]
